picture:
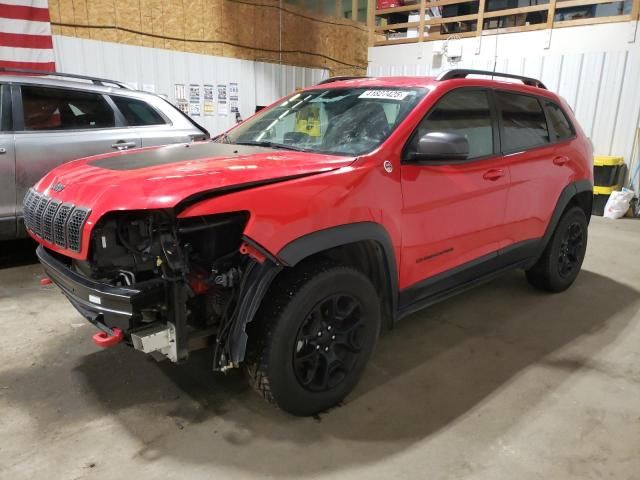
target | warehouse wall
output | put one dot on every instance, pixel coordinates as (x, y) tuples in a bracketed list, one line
[(259, 83), (248, 29), (596, 68)]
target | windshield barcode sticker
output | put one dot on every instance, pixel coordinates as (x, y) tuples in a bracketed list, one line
[(385, 94)]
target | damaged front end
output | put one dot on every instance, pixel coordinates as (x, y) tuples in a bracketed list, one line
[(169, 285)]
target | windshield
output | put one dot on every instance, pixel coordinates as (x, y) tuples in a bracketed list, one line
[(343, 121)]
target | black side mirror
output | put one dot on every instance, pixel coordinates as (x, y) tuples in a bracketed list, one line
[(440, 146)]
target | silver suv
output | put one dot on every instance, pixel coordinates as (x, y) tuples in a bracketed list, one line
[(49, 119)]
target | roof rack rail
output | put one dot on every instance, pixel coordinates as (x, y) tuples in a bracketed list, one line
[(95, 80), (463, 73), (338, 79)]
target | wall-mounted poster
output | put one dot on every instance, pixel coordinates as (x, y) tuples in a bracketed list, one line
[(180, 93), (223, 107), (209, 102), (194, 93), (180, 96), (194, 100), (234, 98), (194, 109)]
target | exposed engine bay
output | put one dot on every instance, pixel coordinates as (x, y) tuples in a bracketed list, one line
[(206, 268)]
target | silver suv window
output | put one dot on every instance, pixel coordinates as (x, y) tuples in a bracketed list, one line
[(137, 113), (47, 108)]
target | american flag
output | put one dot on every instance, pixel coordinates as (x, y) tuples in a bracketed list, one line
[(25, 35)]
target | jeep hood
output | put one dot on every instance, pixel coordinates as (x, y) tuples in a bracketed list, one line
[(162, 177)]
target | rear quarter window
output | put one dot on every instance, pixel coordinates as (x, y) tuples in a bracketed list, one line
[(559, 123), (138, 113)]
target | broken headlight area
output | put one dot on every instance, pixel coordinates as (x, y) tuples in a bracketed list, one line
[(204, 271)]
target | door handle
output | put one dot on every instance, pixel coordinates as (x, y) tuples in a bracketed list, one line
[(493, 174), (122, 145), (3, 150), (561, 160)]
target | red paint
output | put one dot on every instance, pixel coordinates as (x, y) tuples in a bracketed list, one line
[(458, 211), (19, 40), (254, 253), (45, 281), (24, 12), (104, 340)]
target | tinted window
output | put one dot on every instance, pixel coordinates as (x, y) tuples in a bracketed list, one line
[(62, 109), (137, 112), (559, 122), (465, 112), (523, 121)]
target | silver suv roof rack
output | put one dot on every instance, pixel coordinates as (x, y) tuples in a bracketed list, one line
[(97, 81), (463, 73)]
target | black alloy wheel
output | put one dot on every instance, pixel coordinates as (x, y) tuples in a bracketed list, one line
[(328, 343), (313, 336), (571, 249)]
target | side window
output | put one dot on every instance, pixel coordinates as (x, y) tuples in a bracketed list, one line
[(523, 121), (137, 113), (465, 112), (559, 122), (64, 109)]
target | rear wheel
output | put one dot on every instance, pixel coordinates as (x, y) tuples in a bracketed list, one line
[(313, 337), (562, 259)]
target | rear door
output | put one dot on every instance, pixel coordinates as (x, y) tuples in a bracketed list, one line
[(538, 172), (7, 167), (153, 127), (55, 125)]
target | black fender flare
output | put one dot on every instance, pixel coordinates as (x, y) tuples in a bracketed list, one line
[(262, 275), (316, 242), (567, 194)]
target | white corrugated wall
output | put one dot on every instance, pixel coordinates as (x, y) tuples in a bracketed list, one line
[(259, 83), (596, 69)]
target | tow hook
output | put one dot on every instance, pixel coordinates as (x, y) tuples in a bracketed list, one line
[(105, 340)]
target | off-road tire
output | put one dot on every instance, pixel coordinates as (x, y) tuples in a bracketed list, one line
[(550, 271), (275, 334)]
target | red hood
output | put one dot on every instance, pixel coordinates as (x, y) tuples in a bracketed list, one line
[(161, 177)]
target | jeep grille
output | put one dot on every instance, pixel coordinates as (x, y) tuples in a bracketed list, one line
[(54, 221)]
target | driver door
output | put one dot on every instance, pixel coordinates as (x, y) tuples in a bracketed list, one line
[(453, 211)]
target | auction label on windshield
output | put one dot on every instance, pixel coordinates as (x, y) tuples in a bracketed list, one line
[(385, 94)]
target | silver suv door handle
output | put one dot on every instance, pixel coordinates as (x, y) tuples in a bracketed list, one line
[(3, 150), (123, 145)]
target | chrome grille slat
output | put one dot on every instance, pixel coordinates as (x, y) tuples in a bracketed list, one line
[(60, 225), (74, 228), (47, 219), (29, 205), (37, 214), (25, 207)]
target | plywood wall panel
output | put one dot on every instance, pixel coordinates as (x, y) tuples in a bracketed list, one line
[(102, 14), (246, 30)]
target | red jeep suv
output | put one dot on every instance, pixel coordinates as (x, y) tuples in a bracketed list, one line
[(287, 243)]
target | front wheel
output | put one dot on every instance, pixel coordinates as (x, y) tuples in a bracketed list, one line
[(313, 337), (562, 259)]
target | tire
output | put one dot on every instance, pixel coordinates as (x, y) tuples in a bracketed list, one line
[(560, 263), (313, 337)]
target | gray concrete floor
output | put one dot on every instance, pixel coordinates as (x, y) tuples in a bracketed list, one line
[(501, 382)]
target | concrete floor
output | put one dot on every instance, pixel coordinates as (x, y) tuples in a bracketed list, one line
[(502, 382)]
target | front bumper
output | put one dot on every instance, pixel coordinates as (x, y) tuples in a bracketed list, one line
[(102, 304)]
